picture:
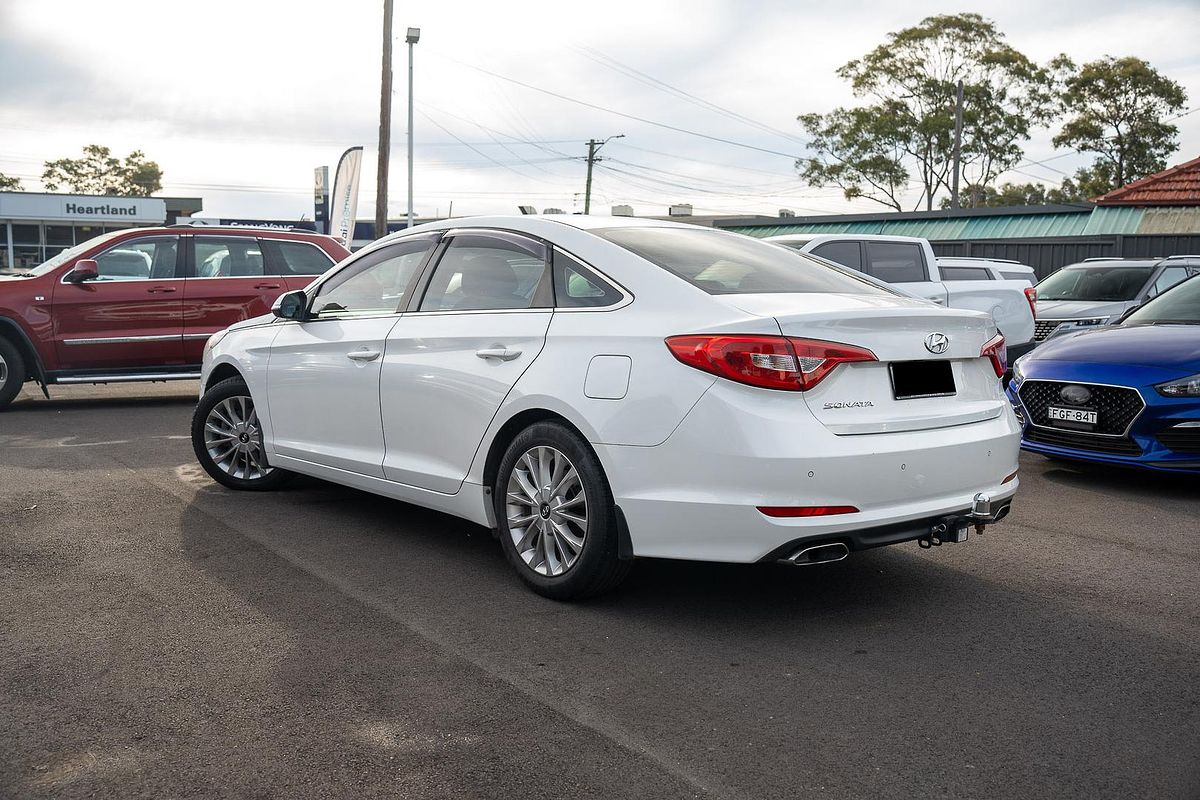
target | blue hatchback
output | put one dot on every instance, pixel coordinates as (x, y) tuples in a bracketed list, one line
[(1125, 394)]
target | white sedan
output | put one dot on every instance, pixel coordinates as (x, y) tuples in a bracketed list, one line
[(596, 389)]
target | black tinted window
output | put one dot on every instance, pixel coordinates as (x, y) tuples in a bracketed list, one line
[(576, 286), (726, 263), (895, 262), (964, 274), (1180, 304), (480, 271), (1094, 283), (848, 254), (295, 258)]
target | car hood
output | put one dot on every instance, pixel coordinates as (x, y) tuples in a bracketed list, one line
[(1080, 309), (1167, 346)]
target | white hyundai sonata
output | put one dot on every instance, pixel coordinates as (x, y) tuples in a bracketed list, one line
[(596, 389)]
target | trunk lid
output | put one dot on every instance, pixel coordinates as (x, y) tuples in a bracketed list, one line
[(859, 398)]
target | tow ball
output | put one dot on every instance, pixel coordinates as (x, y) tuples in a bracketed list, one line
[(957, 527)]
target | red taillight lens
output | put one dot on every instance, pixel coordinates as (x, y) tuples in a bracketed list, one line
[(996, 352), (806, 511), (1031, 296), (769, 362)]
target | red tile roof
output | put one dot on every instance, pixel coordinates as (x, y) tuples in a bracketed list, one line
[(1177, 186)]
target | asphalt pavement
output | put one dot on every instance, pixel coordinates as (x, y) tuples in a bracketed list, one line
[(161, 636)]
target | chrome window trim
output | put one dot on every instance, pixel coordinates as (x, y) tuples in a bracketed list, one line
[(110, 282), (1122, 435), (164, 337)]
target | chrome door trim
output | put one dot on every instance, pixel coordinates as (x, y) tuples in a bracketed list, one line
[(130, 378), (165, 337)]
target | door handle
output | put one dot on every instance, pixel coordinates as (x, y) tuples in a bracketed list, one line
[(161, 290), (363, 355), (501, 353), (267, 286)]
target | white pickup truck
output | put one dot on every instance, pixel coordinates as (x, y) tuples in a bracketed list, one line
[(909, 264)]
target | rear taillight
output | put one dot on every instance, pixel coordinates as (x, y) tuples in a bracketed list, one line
[(1031, 296), (770, 362), (996, 352)]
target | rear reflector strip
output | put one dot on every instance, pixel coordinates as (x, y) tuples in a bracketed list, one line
[(806, 511), (1009, 478)]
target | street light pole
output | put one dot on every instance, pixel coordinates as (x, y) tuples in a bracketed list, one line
[(413, 36), (958, 109)]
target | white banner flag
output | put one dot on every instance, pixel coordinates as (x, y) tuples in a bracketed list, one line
[(343, 201)]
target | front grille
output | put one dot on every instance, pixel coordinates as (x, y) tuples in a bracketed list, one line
[(1115, 445), (1042, 328), (1117, 405), (1181, 440)]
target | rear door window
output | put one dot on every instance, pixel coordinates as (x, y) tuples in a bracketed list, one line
[(895, 262), (964, 274), (848, 254), (228, 257), (488, 271)]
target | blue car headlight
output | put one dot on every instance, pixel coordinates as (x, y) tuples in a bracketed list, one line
[(1184, 387), (1017, 368)]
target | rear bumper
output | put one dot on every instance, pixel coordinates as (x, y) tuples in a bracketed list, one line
[(696, 496)]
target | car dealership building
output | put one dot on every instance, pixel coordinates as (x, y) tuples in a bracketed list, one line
[(35, 226)]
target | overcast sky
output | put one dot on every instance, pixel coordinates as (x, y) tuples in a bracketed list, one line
[(238, 101)]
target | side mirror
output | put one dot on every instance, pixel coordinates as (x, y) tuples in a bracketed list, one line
[(291, 305), (84, 270)]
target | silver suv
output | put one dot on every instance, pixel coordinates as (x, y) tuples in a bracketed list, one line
[(1099, 291)]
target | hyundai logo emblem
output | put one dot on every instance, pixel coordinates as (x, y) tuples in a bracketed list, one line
[(1075, 394), (937, 343)]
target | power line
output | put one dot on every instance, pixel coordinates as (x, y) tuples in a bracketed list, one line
[(634, 117), (649, 80)]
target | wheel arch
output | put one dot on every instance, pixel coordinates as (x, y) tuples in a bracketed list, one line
[(14, 333), (513, 426), (221, 372)]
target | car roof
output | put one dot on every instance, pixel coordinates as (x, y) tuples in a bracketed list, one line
[(871, 237), (1115, 263)]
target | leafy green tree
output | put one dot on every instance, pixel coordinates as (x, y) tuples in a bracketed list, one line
[(910, 81), (99, 172), (1018, 194), (8, 184), (1117, 109)]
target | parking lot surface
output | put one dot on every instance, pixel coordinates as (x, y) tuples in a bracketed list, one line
[(163, 637)]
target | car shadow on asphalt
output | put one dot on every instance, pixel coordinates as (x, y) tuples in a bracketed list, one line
[(1105, 478), (42, 405)]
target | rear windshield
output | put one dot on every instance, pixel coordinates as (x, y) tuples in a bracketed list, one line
[(725, 263), (1094, 283), (1180, 304)]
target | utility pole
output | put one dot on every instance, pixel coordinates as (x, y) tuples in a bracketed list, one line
[(385, 126), (958, 108), (593, 148)]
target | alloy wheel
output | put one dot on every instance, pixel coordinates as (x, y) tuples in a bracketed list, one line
[(233, 439), (3, 372), (546, 508)]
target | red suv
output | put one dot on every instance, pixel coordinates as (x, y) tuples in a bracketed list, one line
[(138, 305)]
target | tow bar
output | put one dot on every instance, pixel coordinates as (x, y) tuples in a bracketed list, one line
[(956, 527)]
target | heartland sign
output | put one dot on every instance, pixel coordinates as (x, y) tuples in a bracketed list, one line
[(81, 208)]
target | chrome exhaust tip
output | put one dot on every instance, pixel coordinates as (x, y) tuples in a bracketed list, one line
[(819, 554)]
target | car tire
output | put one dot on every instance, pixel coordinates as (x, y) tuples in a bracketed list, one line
[(228, 440), (555, 554), (12, 372)]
